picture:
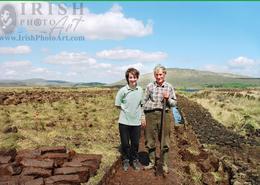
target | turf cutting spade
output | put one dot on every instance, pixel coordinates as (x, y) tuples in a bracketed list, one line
[(159, 168)]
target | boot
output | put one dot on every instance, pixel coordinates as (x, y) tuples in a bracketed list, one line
[(165, 161), (126, 164), (152, 160)]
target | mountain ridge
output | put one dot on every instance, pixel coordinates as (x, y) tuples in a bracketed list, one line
[(191, 78), (178, 77)]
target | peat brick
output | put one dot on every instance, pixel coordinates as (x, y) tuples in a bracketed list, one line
[(55, 156), (30, 154), (87, 157), (39, 167), (38, 172), (5, 159), (53, 149), (38, 181), (92, 165), (5, 178), (14, 168), (59, 158), (72, 164), (15, 180), (70, 170), (10, 169), (46, 163), (63, 179)]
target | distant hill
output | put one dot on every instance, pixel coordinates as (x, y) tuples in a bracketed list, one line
[(179, 78), (190, 78), (43, 82)]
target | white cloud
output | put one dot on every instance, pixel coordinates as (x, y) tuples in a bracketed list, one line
[(240, 65), (10, 73), (132, 54), (77, 62), (39, 70), (23, 70), (241, 62), (138, 66), (103, 65), (16, 64), (69, 66), (112, 24), (15, 50), (70, 58), (71, 74), (78, 69)]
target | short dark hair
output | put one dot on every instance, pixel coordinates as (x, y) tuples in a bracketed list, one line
[(133, 71)]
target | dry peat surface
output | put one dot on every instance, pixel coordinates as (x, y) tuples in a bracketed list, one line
[(202, 151)]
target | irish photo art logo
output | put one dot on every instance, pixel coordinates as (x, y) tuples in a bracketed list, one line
[(7, 19)]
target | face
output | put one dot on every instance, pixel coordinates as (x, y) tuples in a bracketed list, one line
[(132, 80), (159, 76)]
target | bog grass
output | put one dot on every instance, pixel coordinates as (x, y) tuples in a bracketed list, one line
[(238, 110)]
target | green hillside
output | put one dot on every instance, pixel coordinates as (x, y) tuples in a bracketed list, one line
[(190, 78), (46, 83)]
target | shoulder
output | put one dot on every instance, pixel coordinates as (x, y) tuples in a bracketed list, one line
[(139, 88), (169, 85), (151, 84), (122, 89)]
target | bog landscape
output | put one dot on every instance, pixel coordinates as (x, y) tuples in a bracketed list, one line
[(56, 132)]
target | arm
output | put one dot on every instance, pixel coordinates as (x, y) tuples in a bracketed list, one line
[(143, 121), (118, 99), (146, 95), (170, 96), (172, 101)]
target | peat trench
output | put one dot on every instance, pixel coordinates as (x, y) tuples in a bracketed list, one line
[(202, 151)]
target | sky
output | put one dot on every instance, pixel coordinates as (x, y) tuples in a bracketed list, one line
[(98, 41)]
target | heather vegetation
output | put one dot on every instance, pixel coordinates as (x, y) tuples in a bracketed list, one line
[(238, 109)]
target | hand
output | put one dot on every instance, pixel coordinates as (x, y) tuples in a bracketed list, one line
[(166, 95), (143, 123)]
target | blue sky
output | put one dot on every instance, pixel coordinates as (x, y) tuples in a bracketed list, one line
[(211, 36)]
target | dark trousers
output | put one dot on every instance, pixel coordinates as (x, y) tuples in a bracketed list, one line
[(130, 136)]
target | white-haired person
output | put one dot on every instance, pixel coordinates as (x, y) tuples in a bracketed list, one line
[(155, 94)]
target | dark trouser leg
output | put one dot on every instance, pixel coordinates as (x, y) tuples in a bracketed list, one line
[(135, 132), (124, 137)]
